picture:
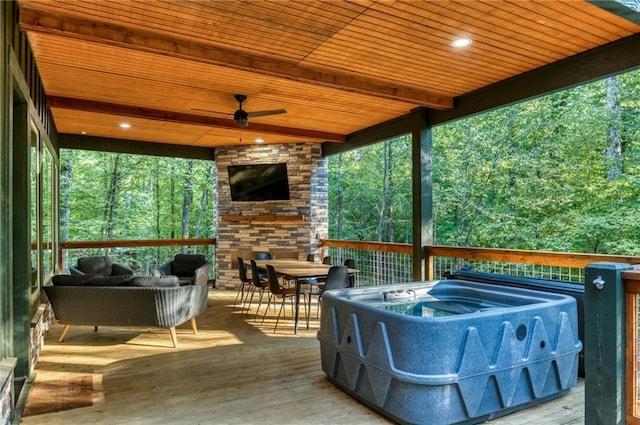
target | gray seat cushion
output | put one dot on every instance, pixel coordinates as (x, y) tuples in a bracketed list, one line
[(109, 281), (156, 282), (71, 279), (90, 280)]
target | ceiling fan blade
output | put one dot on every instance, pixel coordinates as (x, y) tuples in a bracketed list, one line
[(210, 111), (265, 113)]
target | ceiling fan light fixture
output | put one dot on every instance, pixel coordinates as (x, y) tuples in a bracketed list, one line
[(241, 118)]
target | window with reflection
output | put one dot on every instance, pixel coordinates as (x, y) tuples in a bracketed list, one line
[(48, 216), (42, 211), (34, 143)]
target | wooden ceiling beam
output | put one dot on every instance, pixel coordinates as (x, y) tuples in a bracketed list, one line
[(134, 147), (177, 117), (392, 128), (45, 22)]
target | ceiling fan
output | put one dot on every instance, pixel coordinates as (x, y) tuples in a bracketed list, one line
[(241, 117)]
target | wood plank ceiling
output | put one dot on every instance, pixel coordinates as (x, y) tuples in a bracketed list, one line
[(336, 67)]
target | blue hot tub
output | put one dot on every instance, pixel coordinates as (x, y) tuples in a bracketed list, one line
[(451, 351)]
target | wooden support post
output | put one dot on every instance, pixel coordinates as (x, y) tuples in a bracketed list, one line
[(60, 260), (604, 345), (429, 265), (422, 189)]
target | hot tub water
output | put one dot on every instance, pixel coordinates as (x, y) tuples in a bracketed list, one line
[(423, 304)]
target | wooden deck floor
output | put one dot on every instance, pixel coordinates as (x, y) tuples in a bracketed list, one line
[(233, 371)]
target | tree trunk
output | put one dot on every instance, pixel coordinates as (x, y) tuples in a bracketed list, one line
[(340, 193), (187, 198), (614, 147), (65, 192), (203, 205), (383, 194), (127, 212), (172, 200), (389, 195), (112, 199), (156, 190)]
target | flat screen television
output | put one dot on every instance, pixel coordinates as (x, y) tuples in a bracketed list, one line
[(259, 182)]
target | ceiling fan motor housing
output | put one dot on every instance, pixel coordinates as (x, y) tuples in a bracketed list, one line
[(241, 118)]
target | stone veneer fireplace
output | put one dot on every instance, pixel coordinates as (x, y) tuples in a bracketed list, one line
[(271, 225)]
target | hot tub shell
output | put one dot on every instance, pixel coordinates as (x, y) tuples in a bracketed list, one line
[(463, 368)]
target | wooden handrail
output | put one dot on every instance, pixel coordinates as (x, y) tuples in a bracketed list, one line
[(538, 258), (134, 243), (398, 248), (516, 256)]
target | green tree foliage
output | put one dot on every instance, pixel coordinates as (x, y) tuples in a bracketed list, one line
[(371, 184), (116, 196), (560, 173)]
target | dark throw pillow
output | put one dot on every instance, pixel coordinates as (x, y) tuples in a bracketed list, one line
[(120, 270), (95, 265)]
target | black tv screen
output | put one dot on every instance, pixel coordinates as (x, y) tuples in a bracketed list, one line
[(259, 182)]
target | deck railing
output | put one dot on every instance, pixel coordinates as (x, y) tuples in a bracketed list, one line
[(538, 264), (378, 263), (143, 255), (382, 263)]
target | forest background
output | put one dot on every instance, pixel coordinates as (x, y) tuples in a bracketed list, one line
[(558, 173)]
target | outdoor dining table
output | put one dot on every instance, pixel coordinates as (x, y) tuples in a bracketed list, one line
[(301, 272)]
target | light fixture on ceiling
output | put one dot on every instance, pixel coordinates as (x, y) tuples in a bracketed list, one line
[(125, 125), (241, 117), (461, 42), (259, 140), (83, 132)]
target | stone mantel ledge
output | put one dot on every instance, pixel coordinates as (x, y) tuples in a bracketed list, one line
[(266, 218)]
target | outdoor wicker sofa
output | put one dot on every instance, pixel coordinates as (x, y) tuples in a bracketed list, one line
[(125, 301)]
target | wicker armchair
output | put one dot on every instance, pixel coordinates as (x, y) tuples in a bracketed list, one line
[(99, 265), (191, 269)]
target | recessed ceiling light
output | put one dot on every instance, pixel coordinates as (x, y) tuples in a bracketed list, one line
[(125, 125), (461, 42), (259, 140), (83, 132)]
